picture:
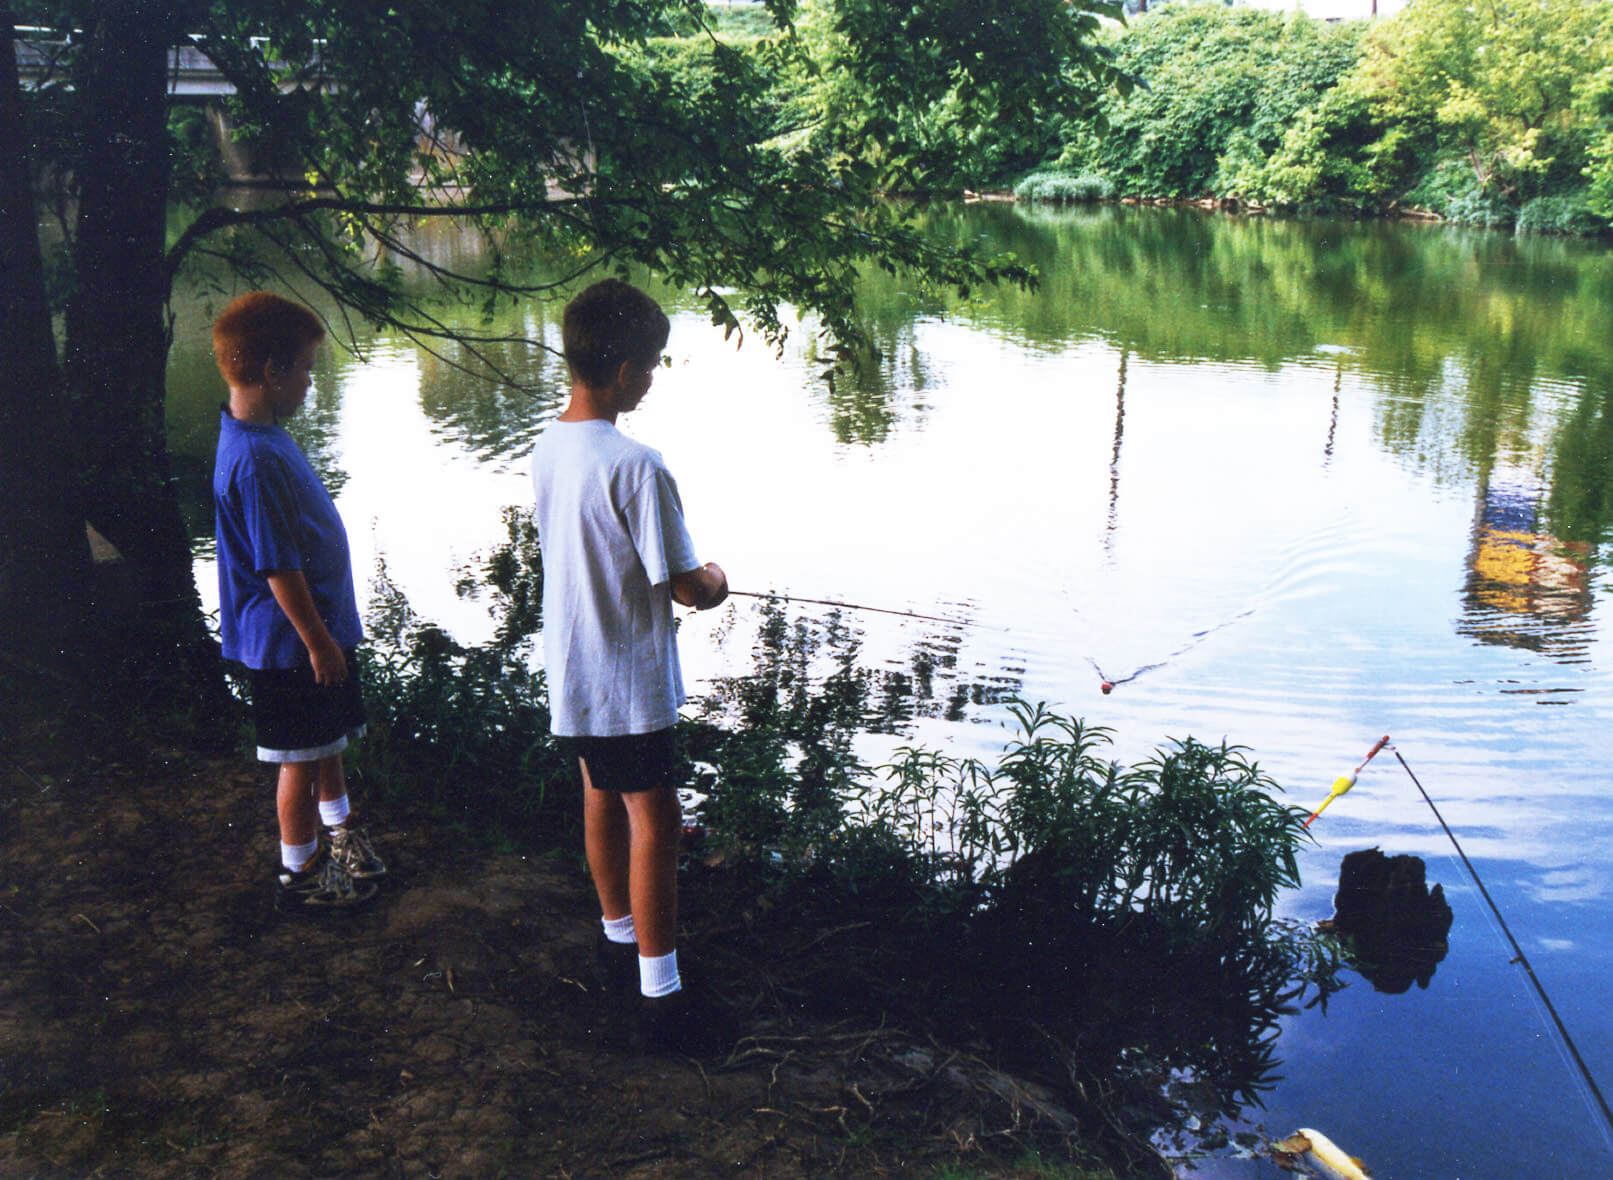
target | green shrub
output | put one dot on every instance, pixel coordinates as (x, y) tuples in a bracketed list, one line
[(1191, 842), (1064, 189), (451, 714), (1558, 215), (1041, 901), (1222, 87), (1451, 190), (1481, 209)]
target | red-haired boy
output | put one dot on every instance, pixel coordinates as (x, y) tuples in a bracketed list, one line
[(287, 608)]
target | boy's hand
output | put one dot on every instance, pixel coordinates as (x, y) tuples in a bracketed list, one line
[(330, 663), (290, 589), (721, 590), (701, 588)]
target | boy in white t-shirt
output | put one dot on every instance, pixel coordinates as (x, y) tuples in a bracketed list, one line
[(616, 555)]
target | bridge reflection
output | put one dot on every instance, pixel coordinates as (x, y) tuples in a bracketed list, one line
[(1525, 588)]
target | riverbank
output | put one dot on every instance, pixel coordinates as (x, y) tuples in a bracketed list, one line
[(156, 1018)]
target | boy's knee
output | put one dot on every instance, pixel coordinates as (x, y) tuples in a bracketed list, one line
[(658, 811)]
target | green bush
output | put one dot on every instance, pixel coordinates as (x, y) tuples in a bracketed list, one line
[(1063, 908), (1042, 900), (1486, 210), (1558, 215), (442, 714), (1061, 188), (1191, 842), (1450, 189), (1222, 88)]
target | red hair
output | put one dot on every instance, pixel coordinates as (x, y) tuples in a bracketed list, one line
[(260, 327)]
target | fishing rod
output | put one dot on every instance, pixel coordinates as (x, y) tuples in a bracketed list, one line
[(1344, 783), (1521, 958), (878, 610)]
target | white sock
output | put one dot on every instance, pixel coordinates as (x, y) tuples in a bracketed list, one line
[(619, 929), (658, 975), (333, 811), (296, 856)]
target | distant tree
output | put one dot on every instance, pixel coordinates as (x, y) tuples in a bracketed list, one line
[(560, 122), (1221, 88), (1596, 104), (927, 96), (1503, 83)]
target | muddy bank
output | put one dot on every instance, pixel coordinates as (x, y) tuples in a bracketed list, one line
[(157, 1019)]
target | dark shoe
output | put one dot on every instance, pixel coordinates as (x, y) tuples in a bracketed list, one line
[(676, 1024), (351, 848), (321, 886), (616, 968)]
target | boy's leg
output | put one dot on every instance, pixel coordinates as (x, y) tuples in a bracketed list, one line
[(632, 840), (294, 803), (655, 819), (332, 781), (349, 843), (606, 840)]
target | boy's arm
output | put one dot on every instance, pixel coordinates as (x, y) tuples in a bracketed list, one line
[(290, 589), (701, 588)]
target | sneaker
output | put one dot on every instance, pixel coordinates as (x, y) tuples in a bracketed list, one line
[(676, 1024), (351, 848), (321, 886), (616, 968)]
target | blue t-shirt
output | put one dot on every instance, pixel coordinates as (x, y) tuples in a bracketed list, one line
[(271, 513)]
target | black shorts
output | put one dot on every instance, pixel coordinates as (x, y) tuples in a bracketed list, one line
[(298, 720), (624, 765)]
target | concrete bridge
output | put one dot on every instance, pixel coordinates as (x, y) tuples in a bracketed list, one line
[(44, 57)]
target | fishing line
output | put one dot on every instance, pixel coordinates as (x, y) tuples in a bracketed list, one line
[(18, 767), (1197, 638), (1551, 1009), (1107, 682)]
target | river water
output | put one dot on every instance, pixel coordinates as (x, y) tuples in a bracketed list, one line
[(1298, 485)]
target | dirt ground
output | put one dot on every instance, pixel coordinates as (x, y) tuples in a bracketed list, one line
[(157, 1019)]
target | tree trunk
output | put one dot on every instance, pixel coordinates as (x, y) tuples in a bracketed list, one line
[(44, 557), (116, 354)]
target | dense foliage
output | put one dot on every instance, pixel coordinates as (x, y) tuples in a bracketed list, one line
[(1489, 113), (1222, 87)]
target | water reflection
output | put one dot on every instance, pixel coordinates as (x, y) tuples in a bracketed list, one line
[(795, 650), (497, 422), (1114, 460), (1524, 588), (1392, 924)]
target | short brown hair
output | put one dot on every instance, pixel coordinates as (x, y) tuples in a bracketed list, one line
[(607, 324), (260, 327)]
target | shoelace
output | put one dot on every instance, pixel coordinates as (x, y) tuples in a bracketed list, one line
[(351, 844), (335, 879)]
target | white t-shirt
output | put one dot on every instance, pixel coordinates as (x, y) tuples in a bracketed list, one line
[(610, 527)]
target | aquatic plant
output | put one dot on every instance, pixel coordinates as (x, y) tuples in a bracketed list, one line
[(1191, 841), (1064, 188)]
